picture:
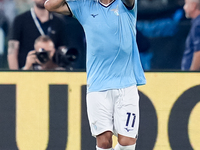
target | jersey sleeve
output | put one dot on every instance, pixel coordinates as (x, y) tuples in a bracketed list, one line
[(76, 7)]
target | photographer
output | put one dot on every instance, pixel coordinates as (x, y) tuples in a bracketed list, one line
[(42, 57)]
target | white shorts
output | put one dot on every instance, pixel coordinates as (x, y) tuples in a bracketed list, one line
[(114, 110)]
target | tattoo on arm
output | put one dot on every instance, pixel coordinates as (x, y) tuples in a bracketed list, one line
[(12, 47)]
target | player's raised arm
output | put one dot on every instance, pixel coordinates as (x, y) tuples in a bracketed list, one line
[(129, 3), (58, 6)]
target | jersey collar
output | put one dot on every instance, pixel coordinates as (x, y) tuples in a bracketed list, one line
[(105, 5)]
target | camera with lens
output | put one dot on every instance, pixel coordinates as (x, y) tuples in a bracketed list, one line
[(63, 56), (42, 55)]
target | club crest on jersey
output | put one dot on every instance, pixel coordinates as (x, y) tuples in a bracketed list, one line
[(116, 11), (94, 125)]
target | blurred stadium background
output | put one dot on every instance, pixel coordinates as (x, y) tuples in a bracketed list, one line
[(158, 20)]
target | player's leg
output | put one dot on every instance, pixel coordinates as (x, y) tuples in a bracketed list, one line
[(100, 115), (128, 143), (120, 147), (126, 118), (104, 140)]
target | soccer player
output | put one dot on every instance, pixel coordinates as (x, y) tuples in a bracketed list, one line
[(113, 67)]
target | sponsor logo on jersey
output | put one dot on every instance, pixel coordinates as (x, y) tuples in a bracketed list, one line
[(94, 15), (128, 129)]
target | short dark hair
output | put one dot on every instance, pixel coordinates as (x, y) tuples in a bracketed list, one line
[(43, 38)]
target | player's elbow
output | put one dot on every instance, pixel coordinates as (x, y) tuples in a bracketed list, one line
[(49, 6)]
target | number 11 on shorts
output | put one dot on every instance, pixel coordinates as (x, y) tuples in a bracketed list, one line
[(130, 119)]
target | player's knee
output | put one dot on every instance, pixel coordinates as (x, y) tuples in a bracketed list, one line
[(104, 140), (129, 147), (125, 141), (105, 143)]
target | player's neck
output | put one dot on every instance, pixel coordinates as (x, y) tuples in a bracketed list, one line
[(106, 1), (42, 14)]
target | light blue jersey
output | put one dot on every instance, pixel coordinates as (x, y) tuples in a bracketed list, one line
[(112, 54)]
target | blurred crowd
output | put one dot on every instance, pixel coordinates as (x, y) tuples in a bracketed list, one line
[(162, 29), (9, 9), (23, 21)]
